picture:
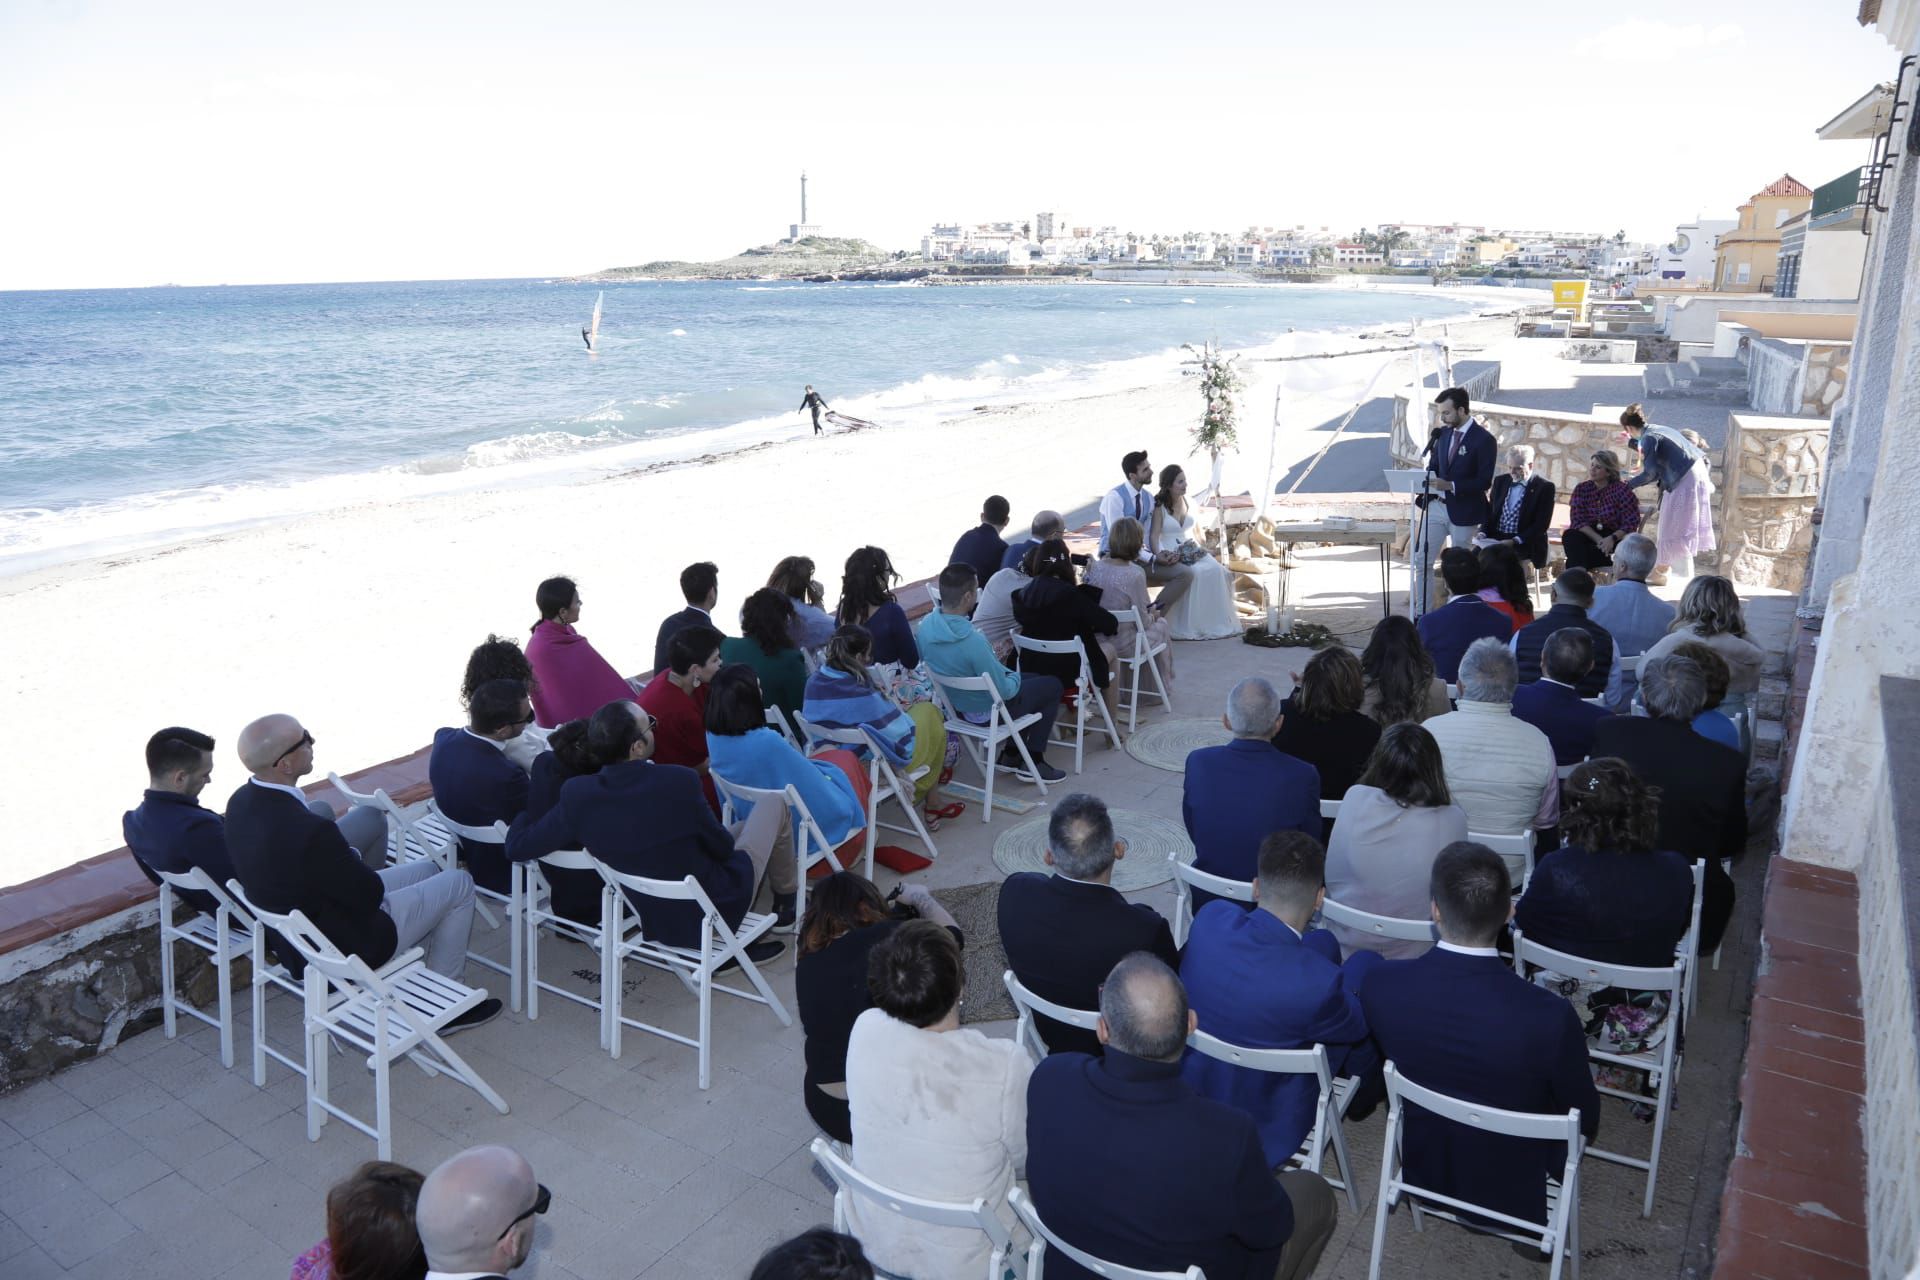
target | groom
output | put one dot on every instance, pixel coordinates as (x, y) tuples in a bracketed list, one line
[(1130, 500)]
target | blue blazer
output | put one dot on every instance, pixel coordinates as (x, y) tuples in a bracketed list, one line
[(1471, 473), (1560, 713), (1063, 937), (983, 548), (1530, 642), (653, 820), (476, 785), (675, 623), (1448, 630), (286, 856), (1471, 1028), (1125, 1161), (1253, 981), (1236, 795), (171, 832)]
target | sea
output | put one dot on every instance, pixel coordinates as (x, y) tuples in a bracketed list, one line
[(135, 417)]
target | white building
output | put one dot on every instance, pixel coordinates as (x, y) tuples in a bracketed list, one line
[(1689, 255), (1354, 255), (1290, 255)]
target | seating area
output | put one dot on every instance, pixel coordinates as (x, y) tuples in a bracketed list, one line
[(669, 1163)]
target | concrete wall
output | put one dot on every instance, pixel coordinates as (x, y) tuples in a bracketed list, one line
[(1832, 263), (1774, 370), (1691, 317)]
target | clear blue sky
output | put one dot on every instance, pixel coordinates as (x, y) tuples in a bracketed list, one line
[(201, 142)]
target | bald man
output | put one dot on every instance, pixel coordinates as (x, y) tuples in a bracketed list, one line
[(287, 856), (476, 1212)]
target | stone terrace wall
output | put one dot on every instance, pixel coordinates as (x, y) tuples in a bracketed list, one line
[(1790, 376), (1764, 512)]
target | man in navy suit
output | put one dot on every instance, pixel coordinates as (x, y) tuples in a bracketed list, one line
[(170, 831), (1460, 458), (653, 820), (473, 781), (1464, 618), (982, 546), (1572, 598), (1458, 1020), (288, 857), (700, 586), (1063, 932), (1263, 979), (1126, 1162), (1235, 795), (1553, 704)]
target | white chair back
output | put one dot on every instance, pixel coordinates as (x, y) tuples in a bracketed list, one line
[(810, 843), (1044, 1239), (849, 1182), (776, 719), (1027, 1030), (1083, 690), (885, 782), (983, 741), (1514, 848), (495, 833), (1187, 878), (1406, 930), (1330, 810), (1329, 1107)]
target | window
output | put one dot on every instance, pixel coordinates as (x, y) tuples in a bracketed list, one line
[(1746, 274), (1780, 218)]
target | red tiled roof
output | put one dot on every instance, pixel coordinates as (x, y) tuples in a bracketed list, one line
[(1785, 185)]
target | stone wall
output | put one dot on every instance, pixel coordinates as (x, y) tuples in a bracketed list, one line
[(1795, 376), (1602, 350), (1764, 511), (1826, 377)]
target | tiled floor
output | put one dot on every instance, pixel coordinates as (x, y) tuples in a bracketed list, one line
[(153, 1160)]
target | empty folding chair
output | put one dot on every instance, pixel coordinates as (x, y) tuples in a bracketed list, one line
[(849, 1182), (695, 967), (1516, 849), (1044, 1239), (1404, 929), (404, 842), (1660, 1063), (397, 1011), (224, 935), (811, 845), (1336, 1094), (1187, 878), (1082, 692), (1558, 1236), (511, 901), (1027, 1031), (884, 782), (984, 742), (539, 915), (1142, 657)]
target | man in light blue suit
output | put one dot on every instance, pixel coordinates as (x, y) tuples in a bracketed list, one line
[(1237, 795), (1631, 614), (1263, 979)]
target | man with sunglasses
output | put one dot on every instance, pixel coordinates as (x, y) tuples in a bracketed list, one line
[(287, 857), (476, 1214), (474, 783)]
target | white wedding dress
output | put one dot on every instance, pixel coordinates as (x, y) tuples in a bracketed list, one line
[(1206, 612)]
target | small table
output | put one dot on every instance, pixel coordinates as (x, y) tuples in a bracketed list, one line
[(1380, 533)]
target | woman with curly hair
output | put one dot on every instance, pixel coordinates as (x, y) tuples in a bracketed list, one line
[(1400, 682), (499, 658), (765, 643), (370, 1231), (1609, 893), (866, 598)]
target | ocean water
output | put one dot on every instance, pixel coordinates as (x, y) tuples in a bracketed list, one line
[(131, 417)]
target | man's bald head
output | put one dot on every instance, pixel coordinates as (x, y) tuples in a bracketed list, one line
[(266, 740), (1143, 1009), (468, 1202)]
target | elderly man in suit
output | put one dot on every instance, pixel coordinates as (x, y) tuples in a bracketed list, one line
[(1046, 525), (1553, 705), (1126, 1162), (700, 587), (1465, 617), (1265, 979), (1460, 456), (1460, 1021), (288, 858), (1630, 613), (1063, 932), (473, 781), (1572, 600), (1521, 507), (1235, 795)]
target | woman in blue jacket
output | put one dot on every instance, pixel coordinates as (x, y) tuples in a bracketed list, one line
[(1685, 481)]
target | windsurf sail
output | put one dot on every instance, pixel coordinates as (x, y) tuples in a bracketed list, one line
[(592, 332)]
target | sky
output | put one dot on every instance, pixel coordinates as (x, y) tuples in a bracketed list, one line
[(199, 142)]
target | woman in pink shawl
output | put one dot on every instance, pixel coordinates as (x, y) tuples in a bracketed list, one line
[(571, 680)]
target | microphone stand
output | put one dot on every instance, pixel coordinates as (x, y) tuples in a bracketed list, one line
[(1420, 579)]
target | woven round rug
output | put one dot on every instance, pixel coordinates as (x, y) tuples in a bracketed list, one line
[(1149, 840), (1164, 744)]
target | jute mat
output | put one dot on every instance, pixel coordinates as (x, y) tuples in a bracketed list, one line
[(976, 909), (1164, 744), (1149, 840)]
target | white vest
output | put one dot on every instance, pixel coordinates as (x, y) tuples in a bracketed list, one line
[(1498, 768)]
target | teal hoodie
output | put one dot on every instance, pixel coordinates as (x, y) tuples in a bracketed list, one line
[(951, 647)]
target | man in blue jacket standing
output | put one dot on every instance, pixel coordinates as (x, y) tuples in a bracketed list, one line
[(1460, 458)]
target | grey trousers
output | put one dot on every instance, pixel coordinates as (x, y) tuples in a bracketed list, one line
[(364, 828), (767, 838), (1314, 1216), (1173, 579), (1439, 533), (431, 908)]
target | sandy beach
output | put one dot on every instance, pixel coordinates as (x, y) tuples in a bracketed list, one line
[(359, 620)]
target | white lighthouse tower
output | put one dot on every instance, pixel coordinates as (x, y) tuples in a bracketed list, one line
[(800, 230)]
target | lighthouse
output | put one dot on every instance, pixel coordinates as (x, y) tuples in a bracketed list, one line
[(797, 231)]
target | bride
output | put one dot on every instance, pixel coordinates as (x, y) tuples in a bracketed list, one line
[(1206, 611)]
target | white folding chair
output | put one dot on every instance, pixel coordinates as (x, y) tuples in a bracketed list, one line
[(397, 1011), (1187, 878), (405, 842), (1516, 849), (849, 1182), (695, 967), (777, 719), (1687, 950), (539, 914), (223, 936), (512, 901), (1026, 1030), (1044, 1239), (984, 741), (933, 595), (811, 845), (1453, 692), (1398, 927), (1330, 810), (884, 782), (1144, 652), (1661, 1064), (1336, 1094), (1558, 1236), (265, 974), (1080, 695)]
